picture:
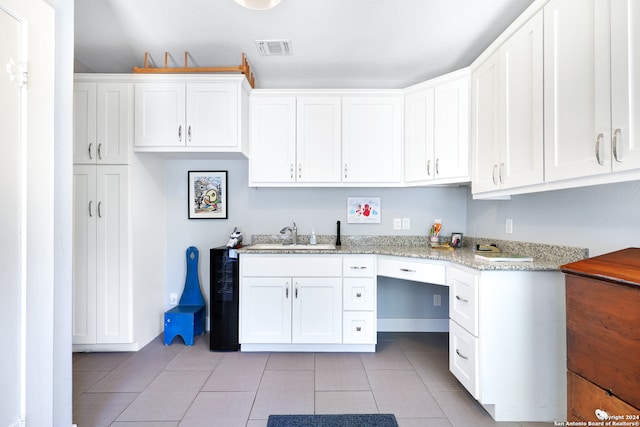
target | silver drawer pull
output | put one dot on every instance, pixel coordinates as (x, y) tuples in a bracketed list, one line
[(461, 355), (358, 295), (407, 270), (358, 267), (459, 298), (358, 328)]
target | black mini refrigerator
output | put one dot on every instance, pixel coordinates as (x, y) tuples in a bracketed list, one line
[(224, 295)]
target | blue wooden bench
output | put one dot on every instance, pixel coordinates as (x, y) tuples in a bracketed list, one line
[(187, 318)]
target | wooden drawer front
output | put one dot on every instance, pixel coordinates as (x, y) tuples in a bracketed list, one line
[(603, 337), (463, 298), (425, 271), (358, 327), (292, 265), (584, 398), (358, 267), (463, 358), (358, 293)]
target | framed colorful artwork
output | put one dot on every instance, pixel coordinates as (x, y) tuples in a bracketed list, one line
[(208, 195), (363, 210)]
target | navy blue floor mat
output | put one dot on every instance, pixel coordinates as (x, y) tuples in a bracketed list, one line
[(347, 420)]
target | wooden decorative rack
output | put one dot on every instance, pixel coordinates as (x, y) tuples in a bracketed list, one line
[(150, 69)]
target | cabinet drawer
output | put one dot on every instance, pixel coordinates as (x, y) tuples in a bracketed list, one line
[(463, 358), (358, 267), (292, 265), (463, 298), (584, 398), (418, 270), (358, 293), (358, 327)]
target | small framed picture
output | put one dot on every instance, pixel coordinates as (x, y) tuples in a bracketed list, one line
[(208, 195), (363, 210), (456, 240)]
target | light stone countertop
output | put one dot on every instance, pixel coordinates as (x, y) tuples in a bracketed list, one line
[(545, 257)]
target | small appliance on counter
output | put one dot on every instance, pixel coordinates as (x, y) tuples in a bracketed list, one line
[(235, 240)]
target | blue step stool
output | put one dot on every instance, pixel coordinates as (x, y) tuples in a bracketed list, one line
[(187, 318)]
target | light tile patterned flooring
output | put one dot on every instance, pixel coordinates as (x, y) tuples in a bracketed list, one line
[(170, 386)]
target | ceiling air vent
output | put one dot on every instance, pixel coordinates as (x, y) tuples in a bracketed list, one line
[(274, 47)]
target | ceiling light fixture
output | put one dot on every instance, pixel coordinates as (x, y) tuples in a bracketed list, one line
[(258, 4)]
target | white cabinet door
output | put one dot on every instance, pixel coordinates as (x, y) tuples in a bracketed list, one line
[(625, 84), (419, 136), (212, 115), (521, 107), (485, 134), (160, 115), (266, 310), (273, 140), (318, 139), (317, 310), (451, 140), (372, 139), (112, 288), (101, 291), (84, 255), (102, 123), (577, 88)]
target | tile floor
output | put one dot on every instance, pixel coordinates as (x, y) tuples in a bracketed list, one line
[(170, 386)]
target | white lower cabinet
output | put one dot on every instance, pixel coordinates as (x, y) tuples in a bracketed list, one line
[(101, 286), (295, 302), (507, 341), (359, 300)]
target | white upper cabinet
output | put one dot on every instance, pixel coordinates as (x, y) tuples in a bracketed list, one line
[(212, 115), (485, 134), (592, 68), (318, 141), (577, 89), (521, 106), (508, 113), (372, 139), (321, 138), (625, 84), (189, 114), (102, 122), (451, 142), (159, 114), (272, 158), (436, 140), (418, 136)]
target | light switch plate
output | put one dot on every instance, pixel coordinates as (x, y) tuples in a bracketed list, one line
[(406, 223), (397, 224)]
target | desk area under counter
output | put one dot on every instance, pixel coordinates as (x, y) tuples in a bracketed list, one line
[(506, 321)]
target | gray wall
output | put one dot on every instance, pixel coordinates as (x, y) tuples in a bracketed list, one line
[(601, 218)]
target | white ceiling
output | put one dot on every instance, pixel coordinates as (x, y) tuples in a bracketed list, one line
[(336, 43)]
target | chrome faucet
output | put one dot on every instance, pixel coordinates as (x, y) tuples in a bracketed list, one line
[(293, 231)]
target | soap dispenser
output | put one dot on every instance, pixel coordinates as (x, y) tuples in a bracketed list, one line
[(312, 239)]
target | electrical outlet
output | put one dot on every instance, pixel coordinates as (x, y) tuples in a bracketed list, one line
[(173, 298), (406, 223), (508, 226), (437, 300), (397, 224)]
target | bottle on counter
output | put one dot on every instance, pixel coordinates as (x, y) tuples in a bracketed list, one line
[(312, 239)]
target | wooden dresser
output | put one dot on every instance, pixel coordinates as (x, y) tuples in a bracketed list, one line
[(603, 337)]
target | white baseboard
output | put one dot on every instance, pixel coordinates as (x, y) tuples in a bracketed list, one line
[(413, 325), (134, 346)]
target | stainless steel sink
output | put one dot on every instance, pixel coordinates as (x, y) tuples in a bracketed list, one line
[(281, 247)]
